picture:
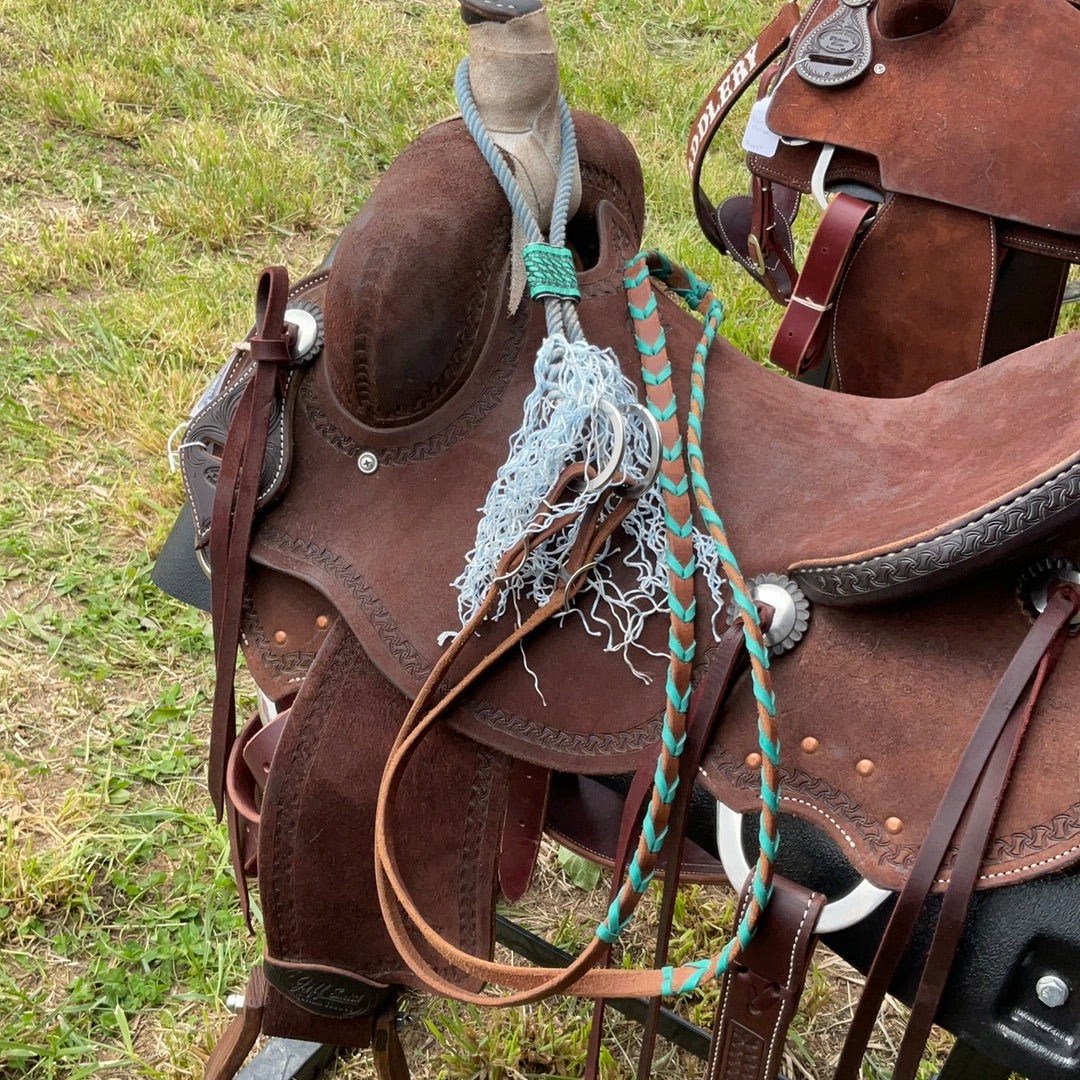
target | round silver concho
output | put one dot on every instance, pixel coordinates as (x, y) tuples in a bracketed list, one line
[(306, 319), (1033, 585), (791, 611)]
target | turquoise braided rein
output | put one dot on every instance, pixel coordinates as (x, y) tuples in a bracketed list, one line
[(551, 278), (698, 295)]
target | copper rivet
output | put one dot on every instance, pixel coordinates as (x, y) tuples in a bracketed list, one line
[(753, 761), (809, 745), (322, 622), (864, 767), (280, 637), (893, 824)]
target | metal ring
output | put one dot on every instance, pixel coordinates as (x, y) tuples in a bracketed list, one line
[(817, 179), (838, 914), (757, 256), (509, 575), (656, 446), (569, 581), (268, 710), (618, 425)]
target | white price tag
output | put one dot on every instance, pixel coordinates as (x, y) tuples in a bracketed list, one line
[(759, 138)]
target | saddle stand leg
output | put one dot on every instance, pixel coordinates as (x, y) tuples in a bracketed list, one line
[(967, 1063)]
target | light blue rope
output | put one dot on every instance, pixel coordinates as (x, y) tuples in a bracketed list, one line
[(561, 315)]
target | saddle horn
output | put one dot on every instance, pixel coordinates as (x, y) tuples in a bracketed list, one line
[(906, 18), (497, 11), (514, 77)]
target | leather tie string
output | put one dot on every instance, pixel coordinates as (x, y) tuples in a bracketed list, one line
[(234, 508)]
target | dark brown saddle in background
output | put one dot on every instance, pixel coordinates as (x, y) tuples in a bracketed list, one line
[(951, 125), (905, 524)]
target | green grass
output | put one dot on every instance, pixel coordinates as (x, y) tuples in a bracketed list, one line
[(152, 158)]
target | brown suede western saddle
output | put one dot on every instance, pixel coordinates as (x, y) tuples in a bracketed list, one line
[(334, 473), (939, 130)]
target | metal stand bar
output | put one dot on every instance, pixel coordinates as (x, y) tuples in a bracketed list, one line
[(966, 1063), (288, 1059), (291, 1059), (674, 1028)]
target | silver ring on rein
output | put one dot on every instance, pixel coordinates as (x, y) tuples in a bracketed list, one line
[(618, 427), (656, 445)]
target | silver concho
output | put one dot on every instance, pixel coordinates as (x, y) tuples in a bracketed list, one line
[(791, 611), (1033, 585), (306, 319)]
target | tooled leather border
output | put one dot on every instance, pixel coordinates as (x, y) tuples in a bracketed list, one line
[(995, 528), (604, 744), (1018, 853)]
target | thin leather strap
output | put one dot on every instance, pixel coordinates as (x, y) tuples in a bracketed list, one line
[(756, 228), (760, 995), (234, 1046), (1050, 626), (386, 1049), (234, 509), (628, 825), (704, 710), (776, 269), (965, 870), (799, 343), (579, 977), (395, 901), (766, 48), (523, 825)]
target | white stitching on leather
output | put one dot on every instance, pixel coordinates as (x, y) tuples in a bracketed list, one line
[(1020, 869), (991, 291), (730, 978), (821, 813), (809, 567), (773, 1041)]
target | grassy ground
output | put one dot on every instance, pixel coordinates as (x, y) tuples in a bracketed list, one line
[(152, 158)]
